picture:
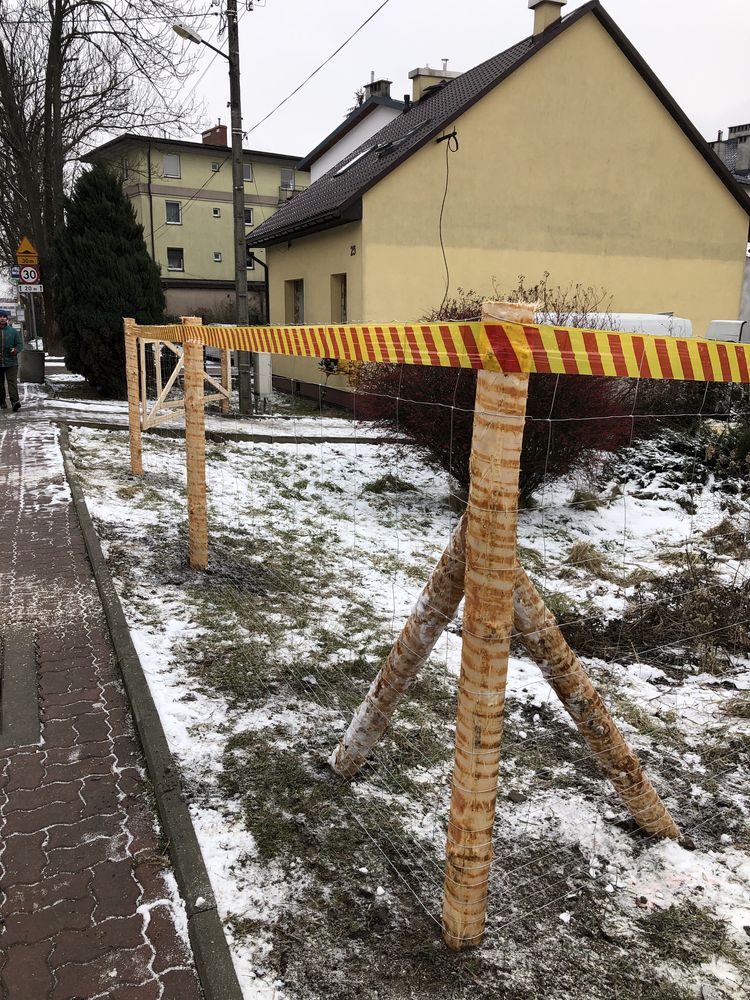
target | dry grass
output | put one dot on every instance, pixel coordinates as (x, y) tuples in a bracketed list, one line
[(587, 558), (729, 538), (584, 499)]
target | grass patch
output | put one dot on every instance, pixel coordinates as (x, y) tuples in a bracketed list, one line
[(389, 484), (738, 708), (686, 933), (586, 557), (728, 539), (584, 499)]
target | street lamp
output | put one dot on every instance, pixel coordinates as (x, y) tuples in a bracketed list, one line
[(238, 188)]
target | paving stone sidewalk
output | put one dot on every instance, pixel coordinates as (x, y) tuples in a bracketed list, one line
[(87, 900)]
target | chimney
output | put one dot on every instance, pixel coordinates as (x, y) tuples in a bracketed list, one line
[(721, 135), (377, 88), (425, 77), (546, 13), (215, 136)]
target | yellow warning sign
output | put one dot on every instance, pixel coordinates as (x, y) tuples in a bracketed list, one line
[(26, 253)]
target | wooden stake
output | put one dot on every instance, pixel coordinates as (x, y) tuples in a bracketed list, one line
[(226, 378), (537, 629), (488, 619), (437, 605), (539, 632), (195, 452), (134, 412)]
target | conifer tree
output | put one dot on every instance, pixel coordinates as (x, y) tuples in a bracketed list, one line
[(104, 274)]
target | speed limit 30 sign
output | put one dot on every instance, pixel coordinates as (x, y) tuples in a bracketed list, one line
[(29, 275)]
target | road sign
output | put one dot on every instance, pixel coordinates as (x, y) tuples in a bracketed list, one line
[(31, 288), (26, 253), (15, 271), (29, 275)]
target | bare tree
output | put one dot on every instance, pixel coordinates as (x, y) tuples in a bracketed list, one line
[(72, 72)]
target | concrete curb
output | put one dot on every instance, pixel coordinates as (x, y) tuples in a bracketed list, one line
[(212, 957)]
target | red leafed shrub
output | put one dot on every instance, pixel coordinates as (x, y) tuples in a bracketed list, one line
[(567, 416)]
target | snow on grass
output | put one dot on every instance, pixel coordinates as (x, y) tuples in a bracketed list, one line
[(318, 552)]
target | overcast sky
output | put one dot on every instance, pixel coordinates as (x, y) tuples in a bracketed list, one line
[(699, 48)]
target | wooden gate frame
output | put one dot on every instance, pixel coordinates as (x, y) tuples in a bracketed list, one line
[(176, 407)]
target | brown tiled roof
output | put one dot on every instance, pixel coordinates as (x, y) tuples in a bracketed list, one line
[(352, 119), (332, 199), (336, 197)]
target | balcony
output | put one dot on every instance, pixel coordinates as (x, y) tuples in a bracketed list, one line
[(286, 193)]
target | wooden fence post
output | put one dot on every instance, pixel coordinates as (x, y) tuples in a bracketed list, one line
[(436, 606), (134, 410), (226, 378), (195, 454), (488, 621), (538, 631)]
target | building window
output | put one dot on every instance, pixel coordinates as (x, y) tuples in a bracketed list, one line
[(287, 178), (217, 257), (250, 263), (175, 259), (338, 298), (172, 165), (215, 167), (248, 216), (125, 170), (294, 301), (247, 172), (216, 212), (174, 213)]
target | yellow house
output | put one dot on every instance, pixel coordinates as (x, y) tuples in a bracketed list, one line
[(556, 155), (182, 195)]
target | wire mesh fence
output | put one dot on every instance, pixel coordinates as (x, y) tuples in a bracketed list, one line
[(324, 525)]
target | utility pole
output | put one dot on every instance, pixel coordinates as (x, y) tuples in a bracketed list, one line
[(244, 382)]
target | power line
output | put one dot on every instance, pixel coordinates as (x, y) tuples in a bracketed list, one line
[(319, 68)]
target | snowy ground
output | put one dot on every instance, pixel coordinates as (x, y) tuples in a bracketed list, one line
[(331, 889)]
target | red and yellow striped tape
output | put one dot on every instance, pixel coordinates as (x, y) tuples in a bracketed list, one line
[(495, 346)]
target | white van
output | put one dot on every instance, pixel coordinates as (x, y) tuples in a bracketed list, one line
[(658, 324), (735, 330)]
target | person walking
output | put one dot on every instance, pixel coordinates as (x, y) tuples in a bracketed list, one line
[(11, 345)]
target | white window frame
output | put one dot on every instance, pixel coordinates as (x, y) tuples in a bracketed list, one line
[(175, 156), (216, 213), (171, 222), (286, 186), (252, 216), (247, 168), (215, 166), (217, 256), (250, 264), (181, 252)]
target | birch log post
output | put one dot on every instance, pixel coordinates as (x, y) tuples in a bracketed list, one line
[(436, 606), (539, 632), (134, 409), (488, 619), (195, 454)]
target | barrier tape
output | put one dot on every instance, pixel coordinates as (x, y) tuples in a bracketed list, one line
[(500, 347)]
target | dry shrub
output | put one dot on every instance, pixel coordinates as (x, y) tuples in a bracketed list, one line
[(692, 610)]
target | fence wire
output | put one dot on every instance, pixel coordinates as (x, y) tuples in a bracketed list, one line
[(324, 524)]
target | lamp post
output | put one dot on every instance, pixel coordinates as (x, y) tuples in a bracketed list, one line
[(244, 384)]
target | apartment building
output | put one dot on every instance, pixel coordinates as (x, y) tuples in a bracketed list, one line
[(182, 195)]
